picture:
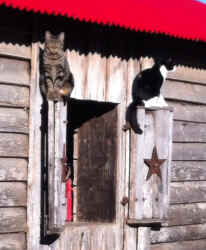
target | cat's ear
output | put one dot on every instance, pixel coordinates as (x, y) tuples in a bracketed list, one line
[(61, 37), (47, 35)]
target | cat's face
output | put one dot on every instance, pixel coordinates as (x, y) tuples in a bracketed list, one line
[(169, 64), (54, 45)]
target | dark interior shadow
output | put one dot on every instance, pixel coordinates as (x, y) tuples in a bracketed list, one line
[(23, 27)]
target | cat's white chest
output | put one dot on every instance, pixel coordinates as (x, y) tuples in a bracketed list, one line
[(163, 72), (157, 101)]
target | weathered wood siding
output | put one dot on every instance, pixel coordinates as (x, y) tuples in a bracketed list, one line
[(186, 91), (14, 129)]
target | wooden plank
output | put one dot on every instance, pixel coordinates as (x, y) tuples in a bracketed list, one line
[(14, 71), (184, 91), (188, 74), (96, 77), (14, 95), (13, 169), (153, 199), (96, 169), (189, 132), (14, 241), (90, 236), (187, 214), (182, 245), (144, 238), (188, 192), (188, 171), (79, 65), (179, 233), (188, 112), (14, 145), (189, 152), (12, 220), (13, 194), (15, 50), (13, 120), (34, 166)]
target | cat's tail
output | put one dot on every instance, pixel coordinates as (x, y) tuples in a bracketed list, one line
[(131, 119)]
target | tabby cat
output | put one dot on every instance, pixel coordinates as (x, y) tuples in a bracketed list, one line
[(57, 81)]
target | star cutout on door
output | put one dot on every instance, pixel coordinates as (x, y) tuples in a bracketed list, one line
[(154, 164)]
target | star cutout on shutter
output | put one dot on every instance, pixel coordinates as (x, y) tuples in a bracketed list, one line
[(154, 164)]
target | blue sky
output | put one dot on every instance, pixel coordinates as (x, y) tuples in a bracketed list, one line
[(202, 1)]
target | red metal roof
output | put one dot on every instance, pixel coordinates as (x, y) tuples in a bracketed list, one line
[(179, 18)]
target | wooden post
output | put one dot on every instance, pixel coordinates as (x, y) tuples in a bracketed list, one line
[(56, 141), (150, 172)]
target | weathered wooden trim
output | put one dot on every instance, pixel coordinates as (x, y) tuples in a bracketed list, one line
[(188, 74), (14, 95), (13, 220), (14, 71), (187, 214), (13, 145), (189, 132), (189, 152), (145, 222), (144, 238), (15, 51), (13, 120), (13, 194), (183, 245), (188, 171), (181, 91), (14, 241), (178, 233), (188, 112), (188, 192), (34, 167), (57, 140), (12, 169)]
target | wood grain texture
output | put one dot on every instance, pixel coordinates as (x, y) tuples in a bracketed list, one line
[(189, 152), (34, 166), (17, 51), (189, 132), (14, 145), (184, 91), (188, 171), (13, 120), (144, 238), (13, 169), (96, 169), (181, 245), (79, 65), (91, 236), (179, 233), (14, 71), (149, 199), (14, 95), (12, 220), (188, 112), (13, 194), (14, 241), (187, 214), (188, 74), (96, 77), (188, 192)]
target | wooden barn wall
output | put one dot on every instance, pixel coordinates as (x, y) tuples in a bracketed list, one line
[(103, 77), (14, 144), (110, 79), (15, 69)]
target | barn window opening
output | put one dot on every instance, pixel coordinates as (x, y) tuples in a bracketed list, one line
[(91, 156)]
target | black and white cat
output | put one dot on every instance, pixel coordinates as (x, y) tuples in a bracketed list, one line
[(146, 91)]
